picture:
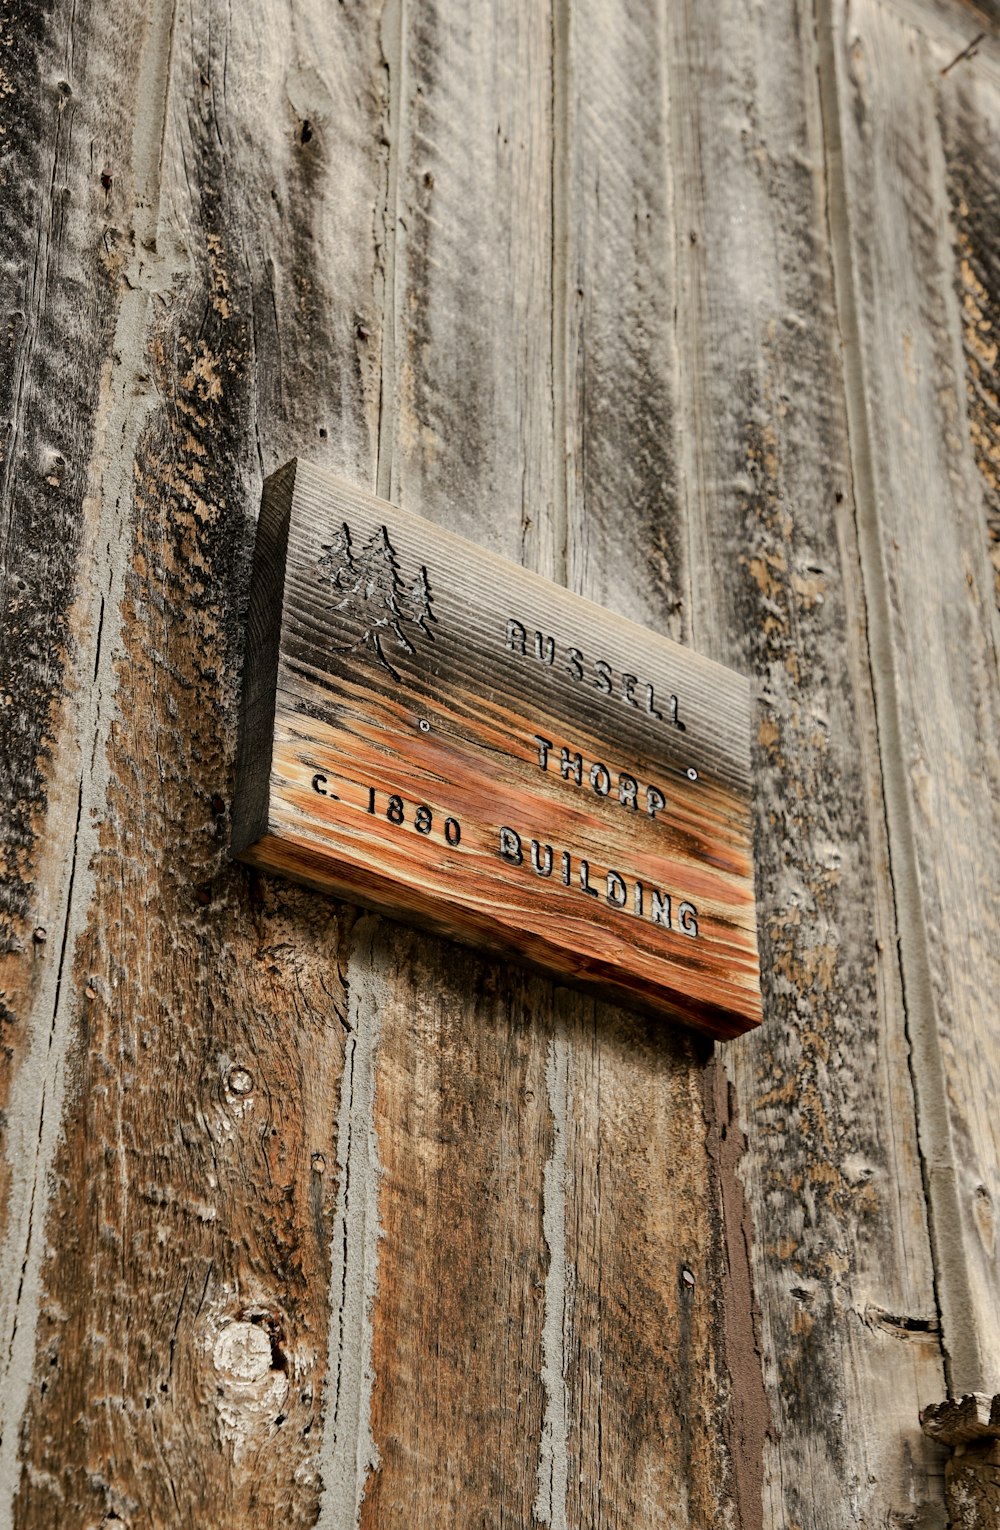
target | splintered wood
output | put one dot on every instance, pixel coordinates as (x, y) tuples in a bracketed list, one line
[(432, 731)]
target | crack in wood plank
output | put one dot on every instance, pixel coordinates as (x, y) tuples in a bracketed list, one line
[(349, 1453)]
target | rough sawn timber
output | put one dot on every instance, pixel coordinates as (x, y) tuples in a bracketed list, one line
[(920, 228), (397, 727), (176, 1269), (841, 1264), (596, 1240), (316, 1220)]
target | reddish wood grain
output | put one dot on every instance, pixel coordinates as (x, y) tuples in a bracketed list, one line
[(423, 757), (171, 1306)]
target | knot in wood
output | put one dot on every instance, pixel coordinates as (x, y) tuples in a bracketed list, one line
[(243, 1352), (251, 1389)]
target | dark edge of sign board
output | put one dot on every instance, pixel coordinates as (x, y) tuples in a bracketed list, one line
[(260, 661), (253, 841)]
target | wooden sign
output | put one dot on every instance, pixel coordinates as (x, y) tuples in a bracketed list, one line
[(436, 733)]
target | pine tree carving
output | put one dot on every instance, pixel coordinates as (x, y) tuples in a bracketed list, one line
[(337, 563), (372, 593), (416, 604)]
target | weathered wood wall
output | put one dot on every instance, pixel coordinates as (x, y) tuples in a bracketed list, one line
[(310, 1219)]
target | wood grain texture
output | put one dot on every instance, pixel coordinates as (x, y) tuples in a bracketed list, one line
[(653, 1197), (417, 686), (972, 1481), (962, 1420), (69, 102), (466, 439), (183, 1318), (467, 370), (841, 1262), (909, 131), (970, 1425), (317, 1220), (59, 257), (971, 168), (459, 1319), (476, 443)]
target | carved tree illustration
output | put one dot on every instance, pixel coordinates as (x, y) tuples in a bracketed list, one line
[(372, 591), (337, 563), (379, 591), (416, 603)]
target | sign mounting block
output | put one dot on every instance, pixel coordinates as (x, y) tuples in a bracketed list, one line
[(436, 733)]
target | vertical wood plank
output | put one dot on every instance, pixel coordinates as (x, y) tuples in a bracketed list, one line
[(462, 1135), (562, 278), (627, 544), (969, 107), (923, 297), (69, 101), (842, 1271), (183, 1299), (462, 1118), (648, 1313), (627, 1426), (645, 1371), (470, 440)]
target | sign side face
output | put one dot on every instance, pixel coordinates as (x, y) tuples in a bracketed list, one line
[(458, 741)]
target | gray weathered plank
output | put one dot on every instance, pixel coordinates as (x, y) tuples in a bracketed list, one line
[(70, 144), (840, 1254), (462, 1131), (916, 126), (625, 1344), (468, 418), (658, 1311), (460, 1067), (559, 279)]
